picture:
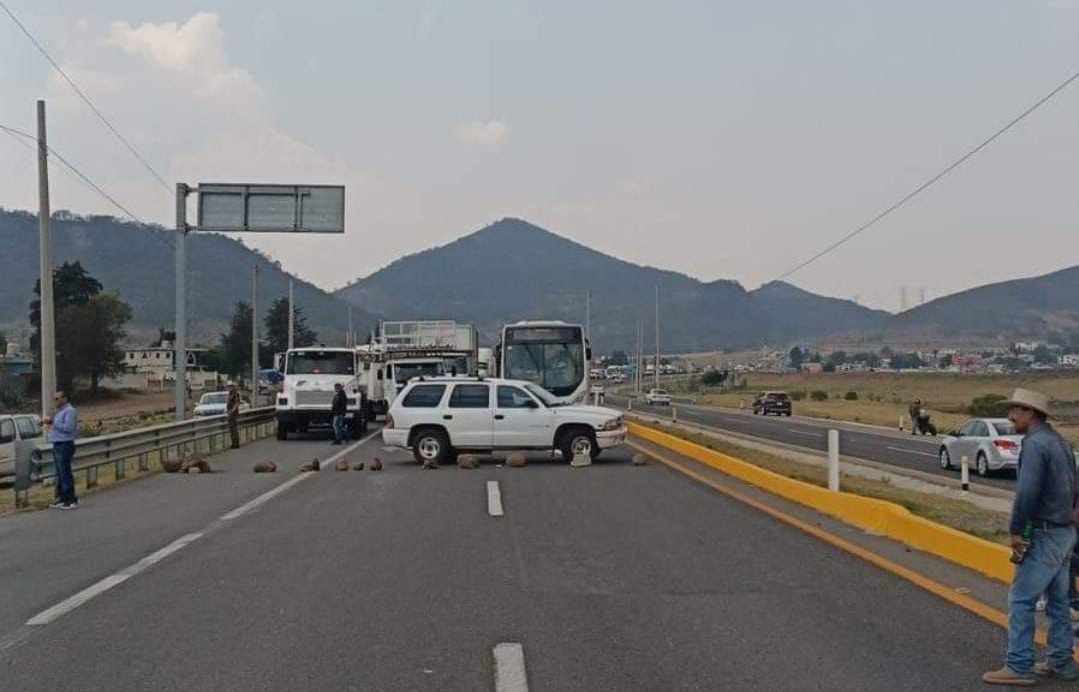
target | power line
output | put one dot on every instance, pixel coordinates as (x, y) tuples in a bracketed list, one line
[(16, 134), (924, 186), (86, 99)]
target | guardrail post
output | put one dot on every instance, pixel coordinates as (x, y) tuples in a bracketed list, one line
[(629, 406), (833, 460), (964, 474), (121, 468), (144, 463), (91, 477)]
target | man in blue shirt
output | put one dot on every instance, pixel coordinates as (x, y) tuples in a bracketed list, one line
[(62, 430), (1042, 537)]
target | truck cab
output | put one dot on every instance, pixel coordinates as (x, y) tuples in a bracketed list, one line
[(307, 390)]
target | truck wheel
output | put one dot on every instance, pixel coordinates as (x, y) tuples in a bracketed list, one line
[(578, 441), (282, 431), (431, 445)]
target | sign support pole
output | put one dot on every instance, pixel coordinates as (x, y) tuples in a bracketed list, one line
[(179, 357)]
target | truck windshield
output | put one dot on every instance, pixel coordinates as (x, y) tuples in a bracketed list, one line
[(403, 372), (320, 363)]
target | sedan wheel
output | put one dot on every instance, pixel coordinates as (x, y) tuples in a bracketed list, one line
[(945, 459), (983, 465)]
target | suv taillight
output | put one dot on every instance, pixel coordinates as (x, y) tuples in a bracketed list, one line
[(389, 422)]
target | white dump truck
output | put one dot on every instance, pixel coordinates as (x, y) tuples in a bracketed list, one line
[(307, 390), (402, 350)]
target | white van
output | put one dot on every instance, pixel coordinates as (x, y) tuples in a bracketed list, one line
[(12, 429)]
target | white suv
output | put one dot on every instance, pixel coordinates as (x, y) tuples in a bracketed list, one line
[(12, 429), (437, 417), (657, 397)]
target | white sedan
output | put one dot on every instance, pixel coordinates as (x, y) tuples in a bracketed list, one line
[(990, 444), (215, 404)]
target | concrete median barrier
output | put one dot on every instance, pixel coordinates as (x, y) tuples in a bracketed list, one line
[(875, 516)]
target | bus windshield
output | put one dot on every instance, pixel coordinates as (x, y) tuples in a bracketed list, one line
[(553, 358), (320, 363)]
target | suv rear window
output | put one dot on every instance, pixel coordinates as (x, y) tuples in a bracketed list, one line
[(424, 396), (470, 396)]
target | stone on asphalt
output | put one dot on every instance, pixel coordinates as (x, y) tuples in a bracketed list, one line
[(376, 465), (171, 465), (638, 460), (341, 465), (358, 467), (265, 467), (516, 460), (430, 464), (580, 460), (467, 461)]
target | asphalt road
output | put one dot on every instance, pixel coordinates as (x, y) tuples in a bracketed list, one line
[(614, 577), (864, 442)]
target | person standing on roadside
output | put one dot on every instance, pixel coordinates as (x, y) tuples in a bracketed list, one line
[(338, 409), (232, 409), (63, 427), (915, 412), (1043, 535)]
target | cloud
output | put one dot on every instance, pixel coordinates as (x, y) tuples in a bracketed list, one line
[(492, 133)]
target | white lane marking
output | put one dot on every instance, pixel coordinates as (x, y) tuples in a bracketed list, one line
[(494, 499), (94, 590), (113, 580), (913, 451), (510, 673), (273, 492)]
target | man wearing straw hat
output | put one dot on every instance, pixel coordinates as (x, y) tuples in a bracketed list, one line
[(1042, 537)]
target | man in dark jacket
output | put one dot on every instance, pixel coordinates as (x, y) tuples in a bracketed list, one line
[(338, 409), (232, 410), (1042, 537)]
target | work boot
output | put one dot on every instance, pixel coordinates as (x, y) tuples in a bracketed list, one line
[(1006, 676), (1046, 670)]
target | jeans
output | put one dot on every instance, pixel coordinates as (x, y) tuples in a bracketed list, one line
[(1045, 570), (62, 454), (340, 429), (234, 431)]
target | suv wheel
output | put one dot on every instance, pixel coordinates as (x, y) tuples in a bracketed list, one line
[(431, 445), (578, 441)]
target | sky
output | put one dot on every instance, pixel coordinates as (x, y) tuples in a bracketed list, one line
[(720, 139)]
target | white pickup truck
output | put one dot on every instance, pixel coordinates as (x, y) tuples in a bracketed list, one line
[(440, 416)]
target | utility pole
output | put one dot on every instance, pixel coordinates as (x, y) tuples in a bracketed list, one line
[(637, 360), (350, 340), (44, 218), (179, 356), (588, 316), (655, 369), (291, 314), (254, 336)]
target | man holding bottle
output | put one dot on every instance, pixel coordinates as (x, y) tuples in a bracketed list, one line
[(1043, 534)]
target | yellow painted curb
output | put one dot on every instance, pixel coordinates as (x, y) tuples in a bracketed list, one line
[(875, 516)]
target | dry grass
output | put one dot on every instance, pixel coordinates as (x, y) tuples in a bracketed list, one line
[(954, 513), (883, 397)]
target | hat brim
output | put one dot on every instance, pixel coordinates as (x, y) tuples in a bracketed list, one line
[(1032, 407)]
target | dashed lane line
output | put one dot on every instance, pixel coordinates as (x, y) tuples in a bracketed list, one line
[(113, 580), (510, 674), (494, 499)]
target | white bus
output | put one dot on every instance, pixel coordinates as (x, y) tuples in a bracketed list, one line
[(553, 354)]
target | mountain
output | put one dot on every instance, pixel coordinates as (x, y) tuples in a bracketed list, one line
[(513, 270), (1021, 308), (138, 262)]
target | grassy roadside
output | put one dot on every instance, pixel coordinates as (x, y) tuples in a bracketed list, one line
[(949, 512)]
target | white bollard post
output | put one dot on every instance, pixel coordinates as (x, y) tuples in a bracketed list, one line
[(964, 474), (629, 407), (901, 421), (833, 460), (674, 415)]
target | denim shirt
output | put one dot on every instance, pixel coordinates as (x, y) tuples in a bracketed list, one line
[(1046, 488), (65, 424)]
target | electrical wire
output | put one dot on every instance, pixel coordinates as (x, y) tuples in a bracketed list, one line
[(927, 184), (82, 177), (86, 99)]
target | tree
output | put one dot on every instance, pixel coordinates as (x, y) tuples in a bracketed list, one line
[(88, 338), (1043, 356), (71, 285), (236, 343), (3, 343), (277, 327), (796, 358), (618, 358)]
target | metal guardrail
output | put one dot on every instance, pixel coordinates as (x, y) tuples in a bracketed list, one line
[(201, 435)]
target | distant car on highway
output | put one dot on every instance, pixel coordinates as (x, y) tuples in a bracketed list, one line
[(777, 403), (990, 444), (657, 397), (14, 428), (215, 404)]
